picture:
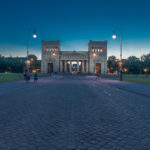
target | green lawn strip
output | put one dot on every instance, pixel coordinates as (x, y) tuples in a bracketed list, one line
[(10, 77), (9, 80), (136, 76), (15, 77), (43, 75), (142, 81)]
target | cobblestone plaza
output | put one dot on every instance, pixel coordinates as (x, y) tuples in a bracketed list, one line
[(73, 112)]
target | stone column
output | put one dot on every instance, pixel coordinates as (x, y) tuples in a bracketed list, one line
[(54, 67), (65, 66), (61, 66), (86, 66), (71, 66), (83, 66), (77, 65)]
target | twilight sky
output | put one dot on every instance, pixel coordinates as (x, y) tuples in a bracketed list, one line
[(74, 23)]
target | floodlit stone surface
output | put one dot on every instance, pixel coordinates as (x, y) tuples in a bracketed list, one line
[(72, 112)]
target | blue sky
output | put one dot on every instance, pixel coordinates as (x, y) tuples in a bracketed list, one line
[(74, 23)]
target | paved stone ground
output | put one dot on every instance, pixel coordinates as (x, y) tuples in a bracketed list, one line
[(72, 113), (142, 89)]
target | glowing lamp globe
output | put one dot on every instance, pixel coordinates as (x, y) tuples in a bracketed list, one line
[(34, 36), (120, 63), (54, 54), (125, 69), (145, 70), (94, 54), (28, 62), (114, 36)]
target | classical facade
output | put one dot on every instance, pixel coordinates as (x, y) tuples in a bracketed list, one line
[(92, 61)]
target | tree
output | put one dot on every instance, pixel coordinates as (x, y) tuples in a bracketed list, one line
[(36, 64), (145, 60), (112, 64), (133, 65), (32, 57), (17, 66)]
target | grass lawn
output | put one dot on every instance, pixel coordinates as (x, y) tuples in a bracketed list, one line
[(8, 77), (143, 81), (136, 78)]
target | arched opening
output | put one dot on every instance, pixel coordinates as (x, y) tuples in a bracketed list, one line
[(50, 67), (74, 66), (98, 68)]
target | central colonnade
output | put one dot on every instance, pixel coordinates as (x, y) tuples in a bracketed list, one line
[(74, 65)]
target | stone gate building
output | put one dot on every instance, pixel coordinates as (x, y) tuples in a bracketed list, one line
[(92, 61)]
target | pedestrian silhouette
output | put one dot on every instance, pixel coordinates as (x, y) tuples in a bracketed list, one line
[(35, 77)]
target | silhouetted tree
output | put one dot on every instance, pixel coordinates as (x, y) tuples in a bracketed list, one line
[(133, 64), (32, 57), (112, 64), (145, 60)]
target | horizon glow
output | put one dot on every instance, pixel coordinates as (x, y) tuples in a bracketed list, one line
[(74, 23)]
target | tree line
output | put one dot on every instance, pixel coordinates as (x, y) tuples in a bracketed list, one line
[(131, 65), (17, 64)]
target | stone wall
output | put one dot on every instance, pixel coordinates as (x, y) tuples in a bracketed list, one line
[(97, 54)]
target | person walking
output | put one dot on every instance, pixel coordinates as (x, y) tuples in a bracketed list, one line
[(35, 77), (28, 76)]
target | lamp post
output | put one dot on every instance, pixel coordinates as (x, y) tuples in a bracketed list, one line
[(94, 55), (114, 36), (146, 71), (28, 36)]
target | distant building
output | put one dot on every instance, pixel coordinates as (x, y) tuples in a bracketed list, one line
[(92, 61), (12, 58), (31, 57)]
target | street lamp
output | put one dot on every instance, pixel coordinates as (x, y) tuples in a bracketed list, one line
[(145, 70), (54, 54), (34, 35), (94, 54), (114, 36), (28, 35), (125, 70)]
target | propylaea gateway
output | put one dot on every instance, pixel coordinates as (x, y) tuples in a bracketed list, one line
[(92, 61)]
